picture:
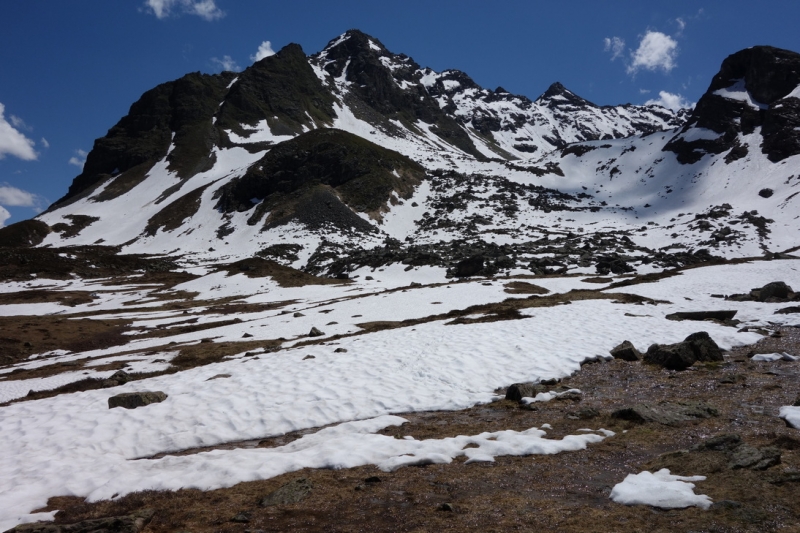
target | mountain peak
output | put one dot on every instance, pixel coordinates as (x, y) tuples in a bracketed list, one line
[(557, 95), (353, 42)]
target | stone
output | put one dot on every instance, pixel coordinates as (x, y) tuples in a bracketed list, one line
[(121, 377), (680, 356), (340, 350), (241, 518), (315, 333), (777, 290), (666, 413), (298, 314), (518, 391), (308, 357), (292, 492), (702, 315), (583, 414), (746, 456), (788, 310), (132, 523), (132, 400), (447, 507), (626, 351), (719, 443), (469, 267)]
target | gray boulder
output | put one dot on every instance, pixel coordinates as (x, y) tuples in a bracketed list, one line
[(518, 391), (315, 333), (680, 356), (626, 351), (132, 400)]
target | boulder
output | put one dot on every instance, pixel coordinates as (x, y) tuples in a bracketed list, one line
[(702, 315), (776, 290), (315, 333), (292, 492), (470, 266), (666, 413), (518, 391), (626, 351), (680, 356), (132, 523), (132, 400)]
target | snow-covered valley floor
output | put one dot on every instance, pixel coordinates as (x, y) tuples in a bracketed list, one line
[(403, 342)]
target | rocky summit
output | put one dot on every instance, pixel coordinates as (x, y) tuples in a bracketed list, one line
[(270, 293)]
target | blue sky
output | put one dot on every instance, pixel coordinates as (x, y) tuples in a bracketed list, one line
[(70, 70)]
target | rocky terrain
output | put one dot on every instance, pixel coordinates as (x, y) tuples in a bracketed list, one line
[(342, 292)]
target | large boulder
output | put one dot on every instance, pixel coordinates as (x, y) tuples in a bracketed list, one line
[(626, 351), (665, 413), (132, 400), (680, 356)]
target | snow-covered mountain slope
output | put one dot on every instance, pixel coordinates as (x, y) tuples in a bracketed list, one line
[(358, 157)]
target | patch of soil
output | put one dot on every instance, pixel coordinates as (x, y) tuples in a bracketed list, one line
[(23, 336)]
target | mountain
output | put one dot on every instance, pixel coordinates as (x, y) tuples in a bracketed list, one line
[(357, 156)]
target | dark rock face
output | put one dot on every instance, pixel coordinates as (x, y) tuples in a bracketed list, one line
[(132, 400), (768, 74), (292, 492), (375, 87), (680, 356), (626, 351), (298, 177), (776, 291)]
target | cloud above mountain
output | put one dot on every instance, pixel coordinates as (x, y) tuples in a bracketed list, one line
[(12, 141), (670, 101), (656, 51), (264, 50)]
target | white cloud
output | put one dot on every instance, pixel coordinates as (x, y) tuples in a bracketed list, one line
[(78, 160), (644, 91), (615, 45), (670, 101), (264, 50), (657, 51), (4, 215), (205, 9), (45, 143), (13, 197), (681, 24), (13, 142), (226, 63)]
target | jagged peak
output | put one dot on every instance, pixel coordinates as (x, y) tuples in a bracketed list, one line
[(352, 42), (557, 94)]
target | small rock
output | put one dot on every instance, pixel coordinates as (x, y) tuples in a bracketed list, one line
[(298, 315), (626, 351), (702, 315), (369, 278), (447, 507), (292, 492), (583, 414), (340, 350), (747, 456), (308, 357), (246, 336), (219, 376), (372, 479), (241, 518), (315, 333), (132, 400), (788, 310)]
